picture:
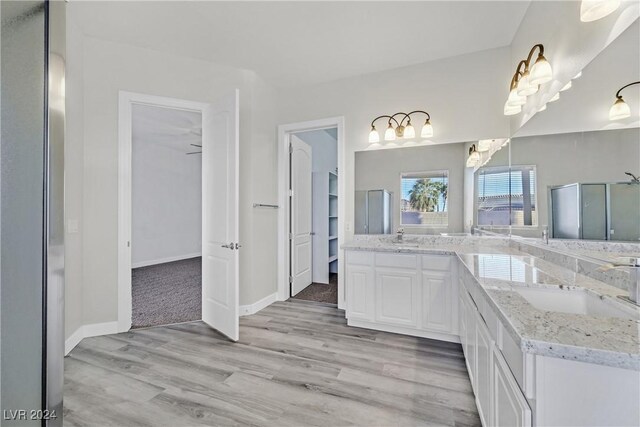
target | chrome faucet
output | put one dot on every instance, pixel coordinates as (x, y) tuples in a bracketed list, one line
[(399, 234)]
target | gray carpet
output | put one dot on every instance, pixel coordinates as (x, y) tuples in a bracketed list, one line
[(167, 293), (321, 292)]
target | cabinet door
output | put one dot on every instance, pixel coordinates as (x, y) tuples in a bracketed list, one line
[(510, 408), (437, 303), (484, 349), (470, 347), (397, 296), (360, 292)]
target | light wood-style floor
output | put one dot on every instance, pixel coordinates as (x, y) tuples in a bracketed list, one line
[(296, 364)]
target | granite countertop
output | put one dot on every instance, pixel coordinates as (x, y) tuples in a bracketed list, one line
[(501, 271)]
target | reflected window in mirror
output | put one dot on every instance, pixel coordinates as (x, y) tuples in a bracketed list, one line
[(506, 196), (423, 199)]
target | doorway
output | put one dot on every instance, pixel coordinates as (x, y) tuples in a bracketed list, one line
[(216, 127), (166, 217), (312, 222), (314, 215)]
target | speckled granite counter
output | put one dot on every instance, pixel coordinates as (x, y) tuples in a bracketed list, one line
[(501, 271)]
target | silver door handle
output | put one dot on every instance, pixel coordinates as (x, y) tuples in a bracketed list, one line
[(229, 246), (238, 246), (312, 234)]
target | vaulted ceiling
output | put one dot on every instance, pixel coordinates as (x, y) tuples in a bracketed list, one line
[(306, 42)]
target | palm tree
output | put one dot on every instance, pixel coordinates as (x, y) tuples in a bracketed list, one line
[(425, 195)]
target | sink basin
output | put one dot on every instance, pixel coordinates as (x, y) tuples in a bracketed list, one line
[(405, 245), (574, 301)]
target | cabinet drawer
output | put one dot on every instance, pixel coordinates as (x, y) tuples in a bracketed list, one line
[(359, 258), (397, 261), (436, 262)]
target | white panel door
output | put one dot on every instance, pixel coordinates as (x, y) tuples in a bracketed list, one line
[(510, 408), (397, 298), (220, 216), (437, 307), (301, 194)]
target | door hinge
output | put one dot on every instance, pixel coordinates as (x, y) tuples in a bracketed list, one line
[(290, 148), (128, 244), (290, 279), (290, 236), (290, 193)]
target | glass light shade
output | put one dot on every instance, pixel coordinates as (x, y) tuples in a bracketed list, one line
[(427, 130), (578, 75), (516, 100), (541, 72), (471, 163), (484, 145), (592, 10), (619, 110), (554, 98), (374, 136), (473, 160), (409, 131), (390, 134), (567, 86), (544, 107), (510, 111), (525, 88)]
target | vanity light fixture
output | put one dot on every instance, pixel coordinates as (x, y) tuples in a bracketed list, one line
[(592, 10), (554, 98), (527, 80), (620, 109), (474, 157), (567, 86), (541, 109), (401, 129)]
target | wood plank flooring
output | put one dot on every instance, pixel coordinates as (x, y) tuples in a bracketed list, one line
[(296, 364)]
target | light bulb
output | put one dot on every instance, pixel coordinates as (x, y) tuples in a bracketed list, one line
[(374, 136), (619, 110), (567, 86), (390, 134), (409, 131), (510, 111), (427, 130), (516, 100), (541, 109), (525, 88), (554, 98), (541, 72), (592, 10)]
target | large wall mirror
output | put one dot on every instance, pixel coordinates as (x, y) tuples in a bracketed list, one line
[(572, 170)]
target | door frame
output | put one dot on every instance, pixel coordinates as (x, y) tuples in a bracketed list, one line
[(284, 137), (125, 102)]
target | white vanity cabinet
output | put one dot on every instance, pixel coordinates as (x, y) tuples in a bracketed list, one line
[(405, 293)]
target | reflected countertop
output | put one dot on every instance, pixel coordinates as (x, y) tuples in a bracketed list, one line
[(503, 273)]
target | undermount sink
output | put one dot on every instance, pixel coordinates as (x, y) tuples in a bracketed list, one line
[(405, 245), (574, 301)]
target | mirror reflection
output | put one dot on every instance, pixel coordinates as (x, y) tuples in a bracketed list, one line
[(573, 169)]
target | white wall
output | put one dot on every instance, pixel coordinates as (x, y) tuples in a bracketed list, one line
[(381, 170), (324, 149), (166, 198), (462, 94), (109, 67), (74, 180)]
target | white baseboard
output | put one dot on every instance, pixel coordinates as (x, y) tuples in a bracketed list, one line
[(86, 331), (246, 310), (404, 330), (163, 260)]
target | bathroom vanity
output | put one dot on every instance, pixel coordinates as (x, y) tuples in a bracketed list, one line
[(543, 345)]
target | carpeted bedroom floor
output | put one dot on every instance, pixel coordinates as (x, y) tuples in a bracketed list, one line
[(167, 293)]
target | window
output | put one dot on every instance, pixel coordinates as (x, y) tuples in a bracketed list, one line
[(506, 196), (424, 198)]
